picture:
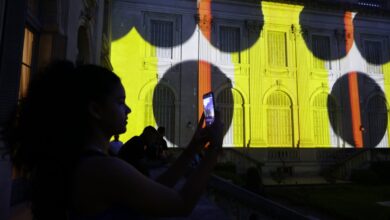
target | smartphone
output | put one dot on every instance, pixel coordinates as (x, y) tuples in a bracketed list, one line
[(208, 106)]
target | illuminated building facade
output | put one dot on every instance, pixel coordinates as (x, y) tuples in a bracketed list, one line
[(284, 73)]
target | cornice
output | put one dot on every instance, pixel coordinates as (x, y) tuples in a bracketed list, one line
[(325, 5)]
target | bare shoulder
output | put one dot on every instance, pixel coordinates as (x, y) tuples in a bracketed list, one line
[(106, 181), (105, 170), (99, 181), (101, 165)]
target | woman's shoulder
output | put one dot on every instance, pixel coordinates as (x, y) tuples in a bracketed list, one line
[(103, 166), (98, 182), (111, 213)]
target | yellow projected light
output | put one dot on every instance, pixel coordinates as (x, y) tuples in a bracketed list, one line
[(386, 72), (127, 57), (278, 65), (280, 87)]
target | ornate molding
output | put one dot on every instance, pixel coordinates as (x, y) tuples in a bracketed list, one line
[(304, 32), (88, 14), (90, 3), (253, 26)]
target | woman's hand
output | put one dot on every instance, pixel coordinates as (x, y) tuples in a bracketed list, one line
[(215, 132), (199, 139), (210, 136)]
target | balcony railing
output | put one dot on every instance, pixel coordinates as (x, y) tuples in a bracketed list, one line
[(241, 204), (356, 4), (372, 4)]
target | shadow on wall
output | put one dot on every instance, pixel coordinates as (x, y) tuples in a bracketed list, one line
[(123, 22), (183, 79), (321, 44), (348, 26), (232, 41), (370, 46), (373, 110)]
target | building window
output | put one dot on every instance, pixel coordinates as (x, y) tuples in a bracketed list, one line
[(229, 40), (230, 103), (26, 68), (377, 115), (373, 51), (321, 47), (279, 120), (277, 49), (160, 108), (161, 33), (322, 116)]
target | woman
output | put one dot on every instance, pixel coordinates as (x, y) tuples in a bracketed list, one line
[(65, 126)]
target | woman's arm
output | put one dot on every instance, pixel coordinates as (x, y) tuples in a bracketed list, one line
[(126, 186), (180, 166)]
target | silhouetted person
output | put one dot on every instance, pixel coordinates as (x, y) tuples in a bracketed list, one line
[(163, 154), (136, 150), (64, 130), (161, 131), (151, 138)]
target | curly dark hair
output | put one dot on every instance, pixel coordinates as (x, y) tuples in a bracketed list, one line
[(52, 129)]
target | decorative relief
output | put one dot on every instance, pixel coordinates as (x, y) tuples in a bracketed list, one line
[(88, 14), (253, 26), (90, 3)]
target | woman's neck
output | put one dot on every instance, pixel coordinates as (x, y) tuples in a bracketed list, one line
[(97, 141)]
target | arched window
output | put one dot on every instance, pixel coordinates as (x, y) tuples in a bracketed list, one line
[(279, 120), (377, 122), (230, 103), (323, 115), (160, 110)]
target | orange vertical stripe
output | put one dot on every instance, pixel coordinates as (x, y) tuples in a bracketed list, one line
[(204, 75), (355, 109), (205, 18), (354, 99), (349, 31), (204, 80)]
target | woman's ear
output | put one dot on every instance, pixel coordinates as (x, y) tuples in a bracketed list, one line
[(95, 110)]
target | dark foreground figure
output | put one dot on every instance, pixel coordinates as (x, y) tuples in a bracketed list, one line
[(63, 133)]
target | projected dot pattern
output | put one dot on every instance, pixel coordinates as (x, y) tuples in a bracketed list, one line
[(261, 57)]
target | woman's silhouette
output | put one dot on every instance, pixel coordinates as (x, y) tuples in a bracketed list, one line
[(63, 134)]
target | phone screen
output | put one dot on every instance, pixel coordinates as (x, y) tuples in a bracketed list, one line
[(208, 105)]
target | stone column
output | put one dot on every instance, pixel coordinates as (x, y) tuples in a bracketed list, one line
[(255, 75), (204, 74)]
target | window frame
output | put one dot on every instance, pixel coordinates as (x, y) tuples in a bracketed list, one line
[(177, 29), (330, 53), (383, 40), (286, 58), (33, 61), (217, 38)]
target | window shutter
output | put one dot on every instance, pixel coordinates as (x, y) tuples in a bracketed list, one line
[(321, 46), (162, 35), (377, 112), (161, 104), (229, 39), (279, 120), (321, 125), (277, 49), (373, 53)]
